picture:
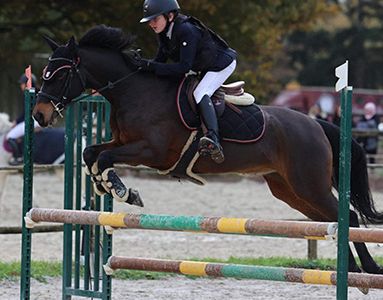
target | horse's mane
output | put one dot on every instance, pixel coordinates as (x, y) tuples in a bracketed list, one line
[(106, 37)]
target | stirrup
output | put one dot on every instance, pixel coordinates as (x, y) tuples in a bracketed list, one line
[(208, 146)]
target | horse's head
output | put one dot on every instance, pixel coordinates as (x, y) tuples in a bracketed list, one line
[(62, 82)]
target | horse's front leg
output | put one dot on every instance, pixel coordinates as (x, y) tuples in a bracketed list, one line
[(90, 155), (134, 153)]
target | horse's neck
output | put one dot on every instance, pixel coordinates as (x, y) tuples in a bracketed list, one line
[(142, 88), (101, 66)]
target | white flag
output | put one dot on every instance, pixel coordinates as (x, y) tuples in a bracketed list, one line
[(341, 72)]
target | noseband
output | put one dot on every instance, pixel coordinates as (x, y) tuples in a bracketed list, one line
[(60, 102)]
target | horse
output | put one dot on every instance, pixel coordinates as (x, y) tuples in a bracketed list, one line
[(297, 156)]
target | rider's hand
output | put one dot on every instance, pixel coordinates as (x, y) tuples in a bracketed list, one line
[(136, 59), (146, 64)]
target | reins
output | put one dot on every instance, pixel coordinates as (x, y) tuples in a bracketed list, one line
[(109, 85)]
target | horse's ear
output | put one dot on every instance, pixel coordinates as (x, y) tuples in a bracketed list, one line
[(51, 42), (72, 45)]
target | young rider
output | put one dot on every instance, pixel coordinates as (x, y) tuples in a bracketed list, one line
[(192, 47)]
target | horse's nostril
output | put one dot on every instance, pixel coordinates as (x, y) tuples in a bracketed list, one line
[(39, 117)]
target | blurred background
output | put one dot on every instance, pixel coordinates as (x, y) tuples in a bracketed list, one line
[(287, 49)]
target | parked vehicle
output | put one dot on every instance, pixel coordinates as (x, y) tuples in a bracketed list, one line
[(303, 98)]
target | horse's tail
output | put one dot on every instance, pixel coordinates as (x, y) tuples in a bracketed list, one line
[(360, 197)]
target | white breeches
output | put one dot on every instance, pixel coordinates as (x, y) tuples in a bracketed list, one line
[(18, 131), (212, 81)]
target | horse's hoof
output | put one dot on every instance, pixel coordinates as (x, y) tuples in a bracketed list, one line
[(134, 198), (99, 189)]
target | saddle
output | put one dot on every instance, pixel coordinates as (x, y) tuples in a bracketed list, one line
[(233, 93), (242, 122)]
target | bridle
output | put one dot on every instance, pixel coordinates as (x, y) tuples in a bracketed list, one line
[(59, 103)]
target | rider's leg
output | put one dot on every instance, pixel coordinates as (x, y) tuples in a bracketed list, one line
[(13, 138), (205, 89), (209, 144), (16, 132), (17, 154)]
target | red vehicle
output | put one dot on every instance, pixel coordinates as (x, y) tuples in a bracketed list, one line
[(303, 98)]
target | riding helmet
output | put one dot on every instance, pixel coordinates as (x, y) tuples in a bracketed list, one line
[(154, 8)]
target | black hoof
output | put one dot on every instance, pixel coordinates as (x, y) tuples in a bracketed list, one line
[(134, 198)]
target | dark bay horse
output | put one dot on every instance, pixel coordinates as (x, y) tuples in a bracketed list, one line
[(297, 156)]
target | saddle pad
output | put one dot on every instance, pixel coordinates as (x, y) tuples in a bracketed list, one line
[(239, 124)]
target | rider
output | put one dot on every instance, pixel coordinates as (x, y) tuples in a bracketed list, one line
[(192, 47), (17, 132)]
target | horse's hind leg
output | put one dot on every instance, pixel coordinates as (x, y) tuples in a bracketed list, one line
[(282, 190), (329, 206), (320, 197), (368, 263)]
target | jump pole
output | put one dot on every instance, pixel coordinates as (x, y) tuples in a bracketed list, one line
[(223, 225), (241, 271)]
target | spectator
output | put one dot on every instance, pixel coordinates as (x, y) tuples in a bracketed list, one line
[(15, 136), (336, 118), (316, 112), (369, 121)]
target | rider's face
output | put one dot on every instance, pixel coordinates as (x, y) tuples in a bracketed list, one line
[(158, 24)]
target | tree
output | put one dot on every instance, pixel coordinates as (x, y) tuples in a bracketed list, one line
[(358, 37)]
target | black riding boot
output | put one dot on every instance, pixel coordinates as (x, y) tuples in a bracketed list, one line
[(209, 144), (17, 155)]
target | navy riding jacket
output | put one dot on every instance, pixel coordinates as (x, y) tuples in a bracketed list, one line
[(191, 46)]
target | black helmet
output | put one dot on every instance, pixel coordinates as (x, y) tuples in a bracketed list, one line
[(154, 8), (23, 79)]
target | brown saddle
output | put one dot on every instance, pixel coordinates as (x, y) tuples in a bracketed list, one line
[(218, 98)]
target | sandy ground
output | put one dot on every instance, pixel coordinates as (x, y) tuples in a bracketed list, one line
[(229, 196)]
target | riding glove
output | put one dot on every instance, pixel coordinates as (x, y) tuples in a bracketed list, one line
[(146, 64)]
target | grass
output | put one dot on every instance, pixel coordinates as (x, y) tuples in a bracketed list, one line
[(44, 269)]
